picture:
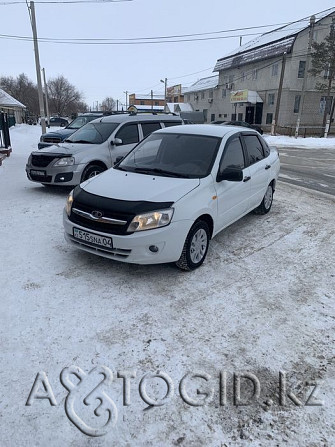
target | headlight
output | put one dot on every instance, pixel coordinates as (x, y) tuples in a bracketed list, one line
[(66, 161), (69, 203), (42, 138), (149, 221)]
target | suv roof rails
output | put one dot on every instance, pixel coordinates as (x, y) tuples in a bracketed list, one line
[(133, 113)]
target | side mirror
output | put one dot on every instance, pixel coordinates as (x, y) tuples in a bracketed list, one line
[(118, 160), (231, 175), (116, 142)]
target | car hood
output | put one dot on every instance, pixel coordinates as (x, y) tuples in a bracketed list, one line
[(121, 185), (63, 133), (65, 148)]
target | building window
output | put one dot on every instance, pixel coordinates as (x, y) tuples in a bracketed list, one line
[(325, 102), (269, 117), (212, 116), (240, 117), (271, 99), (142, 103), (205, 112), (275, 69), (156, 103), (254, 74), (233, 116), (195, 96), (301, 70), (210, 94), (202, 95), (296, 104)]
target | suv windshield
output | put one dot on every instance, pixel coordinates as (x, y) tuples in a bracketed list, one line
[(95, 133), (175, 155)]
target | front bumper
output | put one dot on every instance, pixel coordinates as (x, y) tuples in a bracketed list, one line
[(134, 248), (66, 175)]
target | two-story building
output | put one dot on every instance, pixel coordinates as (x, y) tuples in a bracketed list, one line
[(249, 86)]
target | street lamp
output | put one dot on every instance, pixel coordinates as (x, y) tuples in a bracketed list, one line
[(165, 85)]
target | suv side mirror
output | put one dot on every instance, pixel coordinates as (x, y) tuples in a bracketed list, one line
[(230, 174), (116, 142)]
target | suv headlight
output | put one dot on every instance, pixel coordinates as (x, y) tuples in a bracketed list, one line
[(69, 203), (149, 221), (66, 161)]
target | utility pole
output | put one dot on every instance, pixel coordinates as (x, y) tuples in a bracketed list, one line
[(38, 69), (280, 88), (126, 93), (152, 100), (304, 82), (165, 90), (46, 97)]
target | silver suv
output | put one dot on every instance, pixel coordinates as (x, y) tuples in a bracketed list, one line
[(93, 148)]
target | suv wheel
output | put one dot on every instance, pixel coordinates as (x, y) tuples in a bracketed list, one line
[(91, 171), (195, 247)]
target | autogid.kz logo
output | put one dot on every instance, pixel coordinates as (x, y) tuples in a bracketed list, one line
[(90, 408)]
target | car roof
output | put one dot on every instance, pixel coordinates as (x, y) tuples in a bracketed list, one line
[(212, 130), (121, 118)]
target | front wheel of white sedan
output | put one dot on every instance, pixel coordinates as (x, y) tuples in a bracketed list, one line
[(195, 247), (266, 203)]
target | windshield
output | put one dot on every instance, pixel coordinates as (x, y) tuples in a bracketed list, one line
[(95, 133), (175, 155), (80, 121)]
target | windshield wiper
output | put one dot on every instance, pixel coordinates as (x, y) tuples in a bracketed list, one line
[(81, 141), (160, 171)]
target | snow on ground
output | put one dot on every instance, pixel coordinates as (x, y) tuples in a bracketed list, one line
[(310, 142), (262, 303)]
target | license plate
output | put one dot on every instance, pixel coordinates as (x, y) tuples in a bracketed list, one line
[(93, 238), (38, 173)]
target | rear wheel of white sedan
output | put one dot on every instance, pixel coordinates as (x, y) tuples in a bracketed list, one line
[(195, 247), (266, 204)]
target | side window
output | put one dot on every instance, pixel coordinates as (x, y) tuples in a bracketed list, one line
[(254, 148), (148, 128), (128, 134), (233, 157)]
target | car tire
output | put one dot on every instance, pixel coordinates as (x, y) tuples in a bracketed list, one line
[(91, 171), (266, 203), (195, 247)]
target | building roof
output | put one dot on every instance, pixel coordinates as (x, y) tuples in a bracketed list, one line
[(8, 101), (203, 84), (145, 96), (270, 44)]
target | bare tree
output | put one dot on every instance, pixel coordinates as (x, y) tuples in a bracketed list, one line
[(64, 98), (323, 61), (22, 89), (108, 104)]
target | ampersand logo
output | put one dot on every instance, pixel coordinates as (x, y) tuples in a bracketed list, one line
[(97, 400)]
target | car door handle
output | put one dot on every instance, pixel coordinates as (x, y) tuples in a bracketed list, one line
[(267, 166), (246, 179)]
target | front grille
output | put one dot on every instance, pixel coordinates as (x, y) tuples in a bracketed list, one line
[(104, 227), (42, 160), (116, 253), (53, 140), (41, 179)]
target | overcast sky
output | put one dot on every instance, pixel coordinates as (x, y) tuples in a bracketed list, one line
[(98, 71)]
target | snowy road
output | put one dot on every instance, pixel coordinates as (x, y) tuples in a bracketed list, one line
[(262, 303)]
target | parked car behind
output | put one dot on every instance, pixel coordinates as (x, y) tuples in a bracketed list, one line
[(57, 136), (243, 124), (93, 148), (171, 194), (58, 121)]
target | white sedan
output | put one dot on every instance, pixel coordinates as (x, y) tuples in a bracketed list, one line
[(172, 193)]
